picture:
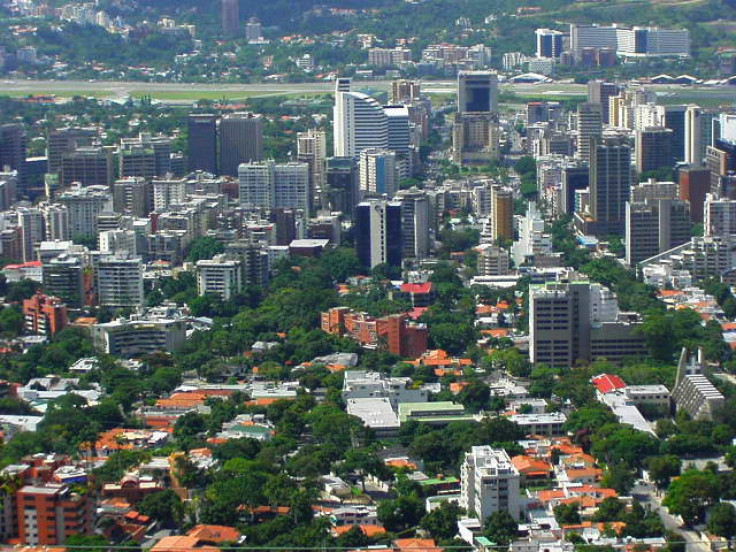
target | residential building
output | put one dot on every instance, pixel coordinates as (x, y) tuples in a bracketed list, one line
[(378, 233), (405, 92), (221, 276), (139, 337), (269, 185), (241, 141), (693, 392), (493, 260), (311, 148), (168, 192), (475, 138), (489, 483), (133, 195), (84, 204), (64, 140), (45, 315), (48, 514), (415, 223), (502, 213), (589, 127), (66, 277), (120, 282)]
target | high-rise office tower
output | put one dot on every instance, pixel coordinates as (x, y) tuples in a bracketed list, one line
[(656, 220), (133, 195), (698, 133), (241, 141), (311, 148), (342, 178), (89, 165), (694, 185), (13, 151), (136, 159), (378, 172), (404, 92), (477, 92), (359, 122), (610, 185), (502, 213), (378, 233), (654, 149), (65, 140), (600, 92), (414, 222), (399, 132), (63, 277), (475, 138), (590, 127), (549, 43), (230, 17), (674, 119), (269, 185), (202, 142), (574, 178)]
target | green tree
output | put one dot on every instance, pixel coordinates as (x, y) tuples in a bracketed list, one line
[(475, 396), (722, 520), (663, 468), (401, 513), (203, 248), (163, 506), (501, 528), (691, 495), (567, 514)]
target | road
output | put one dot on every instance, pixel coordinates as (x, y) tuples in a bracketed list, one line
[(647, 496), (172, 91)]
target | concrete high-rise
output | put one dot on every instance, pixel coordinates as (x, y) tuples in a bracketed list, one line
[(477, 92), (378, 172), (311, 148), (674, 119), (414, 222), (88, 165), (64, 140), (49, 513), (30, 225), (84, 204), (589, 127), (269, 185), (133, 195), (378, 233), (146, 156), (241, 141), (656, 220), (359, 122), (221, 276), (120, 282), (549, 43), (601, 92), (694, 185), (202, 142), (654, 149), (342, 178), (489, 483), (502, 213), (230, 15), (405, 92), (610, 185), (698, 134), (13, 150)]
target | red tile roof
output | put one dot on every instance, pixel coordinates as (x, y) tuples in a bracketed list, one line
[(605, 383), (426, 287)]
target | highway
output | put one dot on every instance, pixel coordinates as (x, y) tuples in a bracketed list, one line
[(183, 92)]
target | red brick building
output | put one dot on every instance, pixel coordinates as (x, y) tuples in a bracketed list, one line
[(396, 333), (49, 514), (45, 315)]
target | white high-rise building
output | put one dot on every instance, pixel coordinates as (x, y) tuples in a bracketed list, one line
[(269, 185), (168, 192), (720, 217), (378, 172), (30, 223), (84, 204), (221, 275), (56, 222), (120, 282), (414, 222), (359, 122), (489, 483), (311, 147)]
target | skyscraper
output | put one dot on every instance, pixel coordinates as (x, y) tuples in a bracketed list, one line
[(600, 92), (241, 141), (311, 148), (415, 222), (202, 142), (477, 92), (90, 165), (405, 92), (674, 119), (378, 172), (230, 17), (253, 32), (64, 140), (378, 233), (654, 149), (359, 122), (698, 134), (610, 184), (549, 43), (342, 185), (502, 213), (13, 150), (590, 126), (133, 195), (269, 185)]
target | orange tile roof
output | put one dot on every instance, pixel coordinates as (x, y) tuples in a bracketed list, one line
[(367, 530), (458, 386), (181, 543), (417, 545), (214, 533), (583, 473), (550, 495), (401, 463), (531, 466)]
